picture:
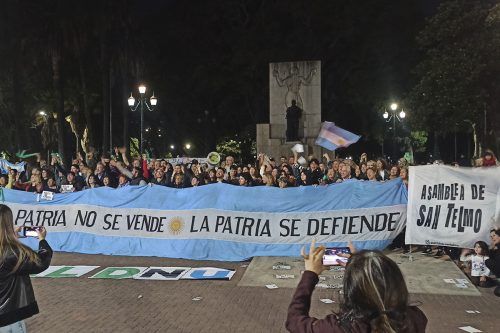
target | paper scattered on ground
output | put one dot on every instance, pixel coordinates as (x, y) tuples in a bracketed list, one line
[(462, 281), (329, 286), (271, 286), (449, 280), (336, 268), (197, 298), (285, 276), (140, 296), (460, 285), (327, 300), (472, 311), (280, 266), (470, 329)]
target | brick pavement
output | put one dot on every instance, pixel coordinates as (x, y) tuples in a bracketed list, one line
[(91, 305)]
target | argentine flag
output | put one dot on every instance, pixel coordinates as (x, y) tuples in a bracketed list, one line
[(332, 137)]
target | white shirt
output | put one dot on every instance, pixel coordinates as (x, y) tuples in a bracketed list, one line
[(478, 268)]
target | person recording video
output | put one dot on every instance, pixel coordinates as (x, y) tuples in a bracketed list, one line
[(17, 299), (375, 296)]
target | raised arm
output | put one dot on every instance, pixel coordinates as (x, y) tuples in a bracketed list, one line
[(44, 255), (120, 168)]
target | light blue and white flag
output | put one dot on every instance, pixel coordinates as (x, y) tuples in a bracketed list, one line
[(215, 222), (5, 165), (332, 137)]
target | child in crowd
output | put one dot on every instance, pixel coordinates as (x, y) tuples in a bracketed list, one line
[(479, 273)]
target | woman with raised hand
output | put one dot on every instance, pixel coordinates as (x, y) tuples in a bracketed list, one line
[(375, 297), (17, 299)]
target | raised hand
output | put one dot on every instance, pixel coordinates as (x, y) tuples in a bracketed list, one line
[(314, 260)]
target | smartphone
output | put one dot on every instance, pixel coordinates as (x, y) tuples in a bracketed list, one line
[(332, 255), (30, 231)]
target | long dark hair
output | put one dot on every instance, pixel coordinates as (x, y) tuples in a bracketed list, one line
[(375, 292), (484, 248)]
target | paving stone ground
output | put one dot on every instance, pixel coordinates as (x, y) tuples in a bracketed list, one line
[(92, 305)]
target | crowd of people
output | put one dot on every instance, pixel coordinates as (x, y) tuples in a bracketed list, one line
[(375, 294), (119, 170)]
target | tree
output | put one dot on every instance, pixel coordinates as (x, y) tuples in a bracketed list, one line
[(456, 79)]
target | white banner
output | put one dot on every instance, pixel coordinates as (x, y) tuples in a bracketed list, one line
[(376, 223), (452, 206), (186, 160)]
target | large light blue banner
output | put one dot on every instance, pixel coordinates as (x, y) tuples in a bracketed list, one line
[(215, 222)]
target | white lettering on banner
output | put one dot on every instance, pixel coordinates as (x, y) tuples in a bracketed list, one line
[(378, 223), (452, 206)]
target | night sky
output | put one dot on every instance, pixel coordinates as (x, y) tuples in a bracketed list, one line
[(214, 55)]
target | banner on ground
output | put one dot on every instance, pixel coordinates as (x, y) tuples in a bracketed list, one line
[(452, 206), (139, 273), (219, 221)]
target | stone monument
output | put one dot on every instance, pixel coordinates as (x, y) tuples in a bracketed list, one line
[(298, 81)]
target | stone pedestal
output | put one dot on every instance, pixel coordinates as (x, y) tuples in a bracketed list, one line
[(300, 81), (276, 147)]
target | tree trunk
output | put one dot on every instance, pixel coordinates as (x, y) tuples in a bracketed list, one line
[(125, 113), (85, 98), (59, 96), (20, 130), (105, 93), (436, 151), (477, 144)]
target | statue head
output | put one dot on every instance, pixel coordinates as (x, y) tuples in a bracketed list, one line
[(294, 102)]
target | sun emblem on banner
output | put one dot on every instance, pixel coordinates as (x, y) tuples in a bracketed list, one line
[(175, 225), (340, 142)]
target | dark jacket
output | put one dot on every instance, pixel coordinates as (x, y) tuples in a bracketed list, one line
[(383, 178), (493, 263), (298, 319), (137, 181), (17, 299), (163, 182), (314, 177)]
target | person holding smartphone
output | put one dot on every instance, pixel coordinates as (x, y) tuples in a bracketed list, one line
[(17, 299), (375, 296)]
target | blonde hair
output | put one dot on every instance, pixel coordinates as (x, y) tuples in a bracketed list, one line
[(37, 179), (270, 179), (9, 244)]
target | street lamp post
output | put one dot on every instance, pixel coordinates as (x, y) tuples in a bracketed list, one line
[(142, 103), (393, 115)]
